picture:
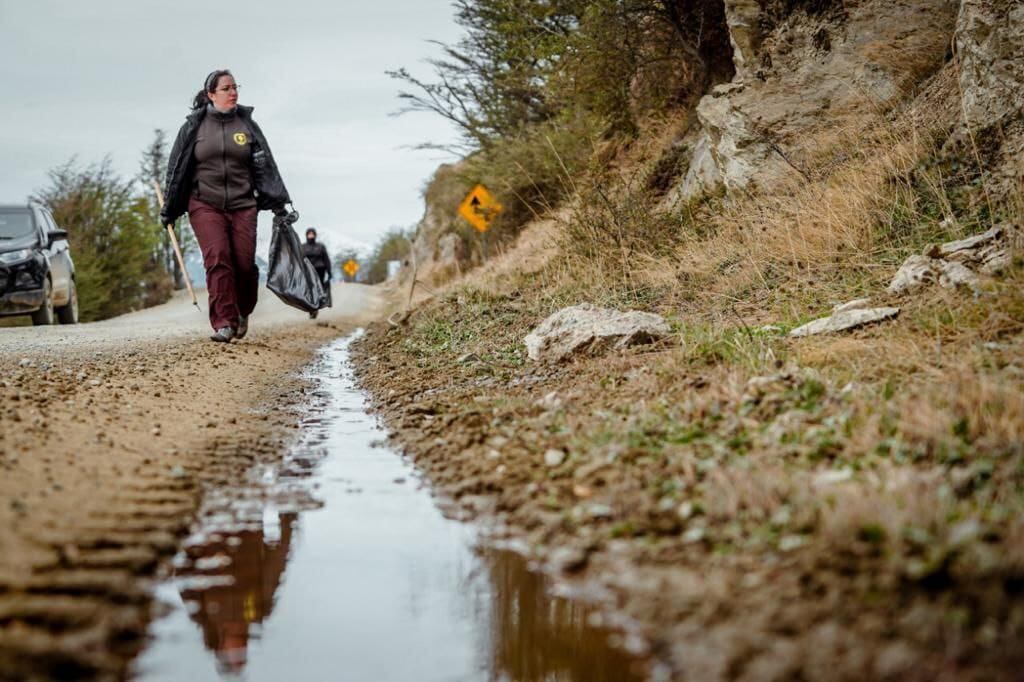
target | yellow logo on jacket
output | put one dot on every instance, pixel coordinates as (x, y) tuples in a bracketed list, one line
[(241, 139)]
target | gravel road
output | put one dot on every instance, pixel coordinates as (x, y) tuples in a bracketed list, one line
[(109, 434), (178, 319)]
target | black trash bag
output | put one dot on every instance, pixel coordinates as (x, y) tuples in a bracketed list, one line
[(289, 274)]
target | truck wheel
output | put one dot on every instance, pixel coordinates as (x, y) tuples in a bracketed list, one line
[(45, 314), (68, 314)]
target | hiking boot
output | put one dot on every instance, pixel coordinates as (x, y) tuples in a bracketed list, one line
[(313, 314), (223, 335), (243, 327)]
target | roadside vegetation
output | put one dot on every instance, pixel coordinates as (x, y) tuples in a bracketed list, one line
[(392, 246), (543, 93), (123, 256), (783, 502)]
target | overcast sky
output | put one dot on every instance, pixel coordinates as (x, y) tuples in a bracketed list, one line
[(89, 79)]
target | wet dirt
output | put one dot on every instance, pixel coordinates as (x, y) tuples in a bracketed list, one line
[(109, 434), (336, 563), (706, 512)]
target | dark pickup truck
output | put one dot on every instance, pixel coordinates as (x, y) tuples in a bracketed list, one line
[(37, 275)]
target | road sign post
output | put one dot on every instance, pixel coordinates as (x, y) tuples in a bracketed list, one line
[(351, 268)]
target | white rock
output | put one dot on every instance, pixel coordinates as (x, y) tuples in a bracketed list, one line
[(550, 402), (702, 176), (826, 478), (787, 543), (956, 263), (694, 535), (988, 252), (997, 260), (782, 516), (915, 273), (964, 532), (964, 249), (553, 457), (953, 274), (587, 328), (845, 320), (741, 153), (852, 305)]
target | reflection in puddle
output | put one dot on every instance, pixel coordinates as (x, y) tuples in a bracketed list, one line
[(230, 613), (535, 637), (338, 565)]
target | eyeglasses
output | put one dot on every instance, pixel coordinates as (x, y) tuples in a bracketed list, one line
[(229, 88)]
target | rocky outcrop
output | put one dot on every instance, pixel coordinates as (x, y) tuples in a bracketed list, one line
[(990, 50), (918, 272), (588, 329), (735, 146), (744, 19), (450, 249), (438, 247), (437, 220), (957, 263), (802, 72), (701, 176)]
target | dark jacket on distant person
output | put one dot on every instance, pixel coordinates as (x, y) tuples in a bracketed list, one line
[(316, 254), (245, 168)]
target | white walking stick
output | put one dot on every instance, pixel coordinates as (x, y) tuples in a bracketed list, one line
[(177, 250)]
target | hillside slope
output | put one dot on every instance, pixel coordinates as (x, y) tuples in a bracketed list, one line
[(767, 506)]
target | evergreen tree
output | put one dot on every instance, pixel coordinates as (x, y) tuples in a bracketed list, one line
[(152, 168), (110, 231)]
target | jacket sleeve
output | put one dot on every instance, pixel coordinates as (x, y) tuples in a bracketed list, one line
[(169, 188), (325, 258), (270, 189)]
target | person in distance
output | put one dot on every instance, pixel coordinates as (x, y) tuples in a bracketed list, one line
[(316, 254)]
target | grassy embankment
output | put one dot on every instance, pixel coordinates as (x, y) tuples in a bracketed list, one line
[(867, 476)]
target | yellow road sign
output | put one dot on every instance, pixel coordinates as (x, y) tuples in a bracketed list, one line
[(480, 208), (350, 267)]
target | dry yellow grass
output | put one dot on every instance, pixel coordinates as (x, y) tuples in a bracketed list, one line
[(882, 467)]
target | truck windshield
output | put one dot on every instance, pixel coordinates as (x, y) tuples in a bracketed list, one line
[(15, 223)]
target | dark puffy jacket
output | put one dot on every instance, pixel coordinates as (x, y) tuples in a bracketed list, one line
[(316, 254), (271, 193)]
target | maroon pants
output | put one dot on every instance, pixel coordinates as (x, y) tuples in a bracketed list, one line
[(228, 242)]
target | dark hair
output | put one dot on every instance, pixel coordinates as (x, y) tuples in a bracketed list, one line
[(311, 229), (209, 85)]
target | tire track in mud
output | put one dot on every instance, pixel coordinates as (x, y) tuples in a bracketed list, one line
[(104, 457)]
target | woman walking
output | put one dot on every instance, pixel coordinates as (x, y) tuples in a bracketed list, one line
[(222, 172)]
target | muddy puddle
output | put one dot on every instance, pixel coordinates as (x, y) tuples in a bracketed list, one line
[(338, 565)]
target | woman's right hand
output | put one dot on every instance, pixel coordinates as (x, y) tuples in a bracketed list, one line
[(285, 217)]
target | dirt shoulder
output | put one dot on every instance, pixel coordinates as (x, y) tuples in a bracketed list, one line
[(105, 450), (845, 507)]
